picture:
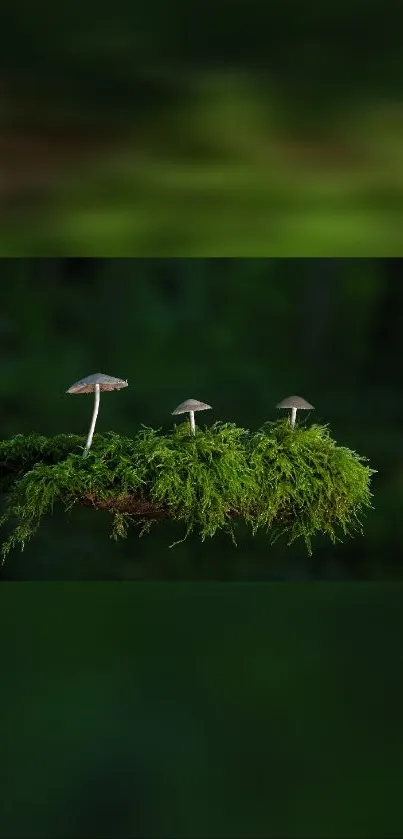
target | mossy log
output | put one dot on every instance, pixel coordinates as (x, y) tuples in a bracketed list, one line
[(295, 482)]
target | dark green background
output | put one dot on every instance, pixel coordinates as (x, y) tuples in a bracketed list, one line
[(238, 334), (201, 711), (127, 59)]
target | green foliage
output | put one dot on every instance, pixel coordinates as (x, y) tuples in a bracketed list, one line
[(294, 482), (306, 483)]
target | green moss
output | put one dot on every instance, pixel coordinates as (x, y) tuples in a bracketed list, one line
[(307, 483), (294, 482)]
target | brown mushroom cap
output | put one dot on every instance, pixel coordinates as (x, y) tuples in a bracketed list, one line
[(295, 402), (105, 382), (191, 405)]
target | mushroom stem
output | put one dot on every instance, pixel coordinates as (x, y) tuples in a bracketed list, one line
[(293, 416), (192, 422), (93, 421)]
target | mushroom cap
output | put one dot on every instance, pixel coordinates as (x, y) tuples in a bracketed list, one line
[(295, 402), (191, 405), (105, 382)]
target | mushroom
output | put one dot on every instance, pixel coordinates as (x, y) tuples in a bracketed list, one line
[(190, 406), (94, 384), (296, 403)]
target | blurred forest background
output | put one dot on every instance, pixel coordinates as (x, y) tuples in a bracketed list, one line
[(201, 129), (238, 334)]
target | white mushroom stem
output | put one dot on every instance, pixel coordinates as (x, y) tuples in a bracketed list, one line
[(93, 421), (192, 422), (293, 416)]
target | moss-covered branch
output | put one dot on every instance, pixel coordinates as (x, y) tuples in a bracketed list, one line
[(296, 482)]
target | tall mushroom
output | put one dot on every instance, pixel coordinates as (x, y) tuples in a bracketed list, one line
[(94, 384), (190, 406), (296, 403)]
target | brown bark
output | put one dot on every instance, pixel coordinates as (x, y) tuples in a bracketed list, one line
[(134, 506), (130, 504)]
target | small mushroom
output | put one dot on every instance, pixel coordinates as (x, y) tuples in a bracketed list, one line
[(94, 384), (296, 403), (190, 406)]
